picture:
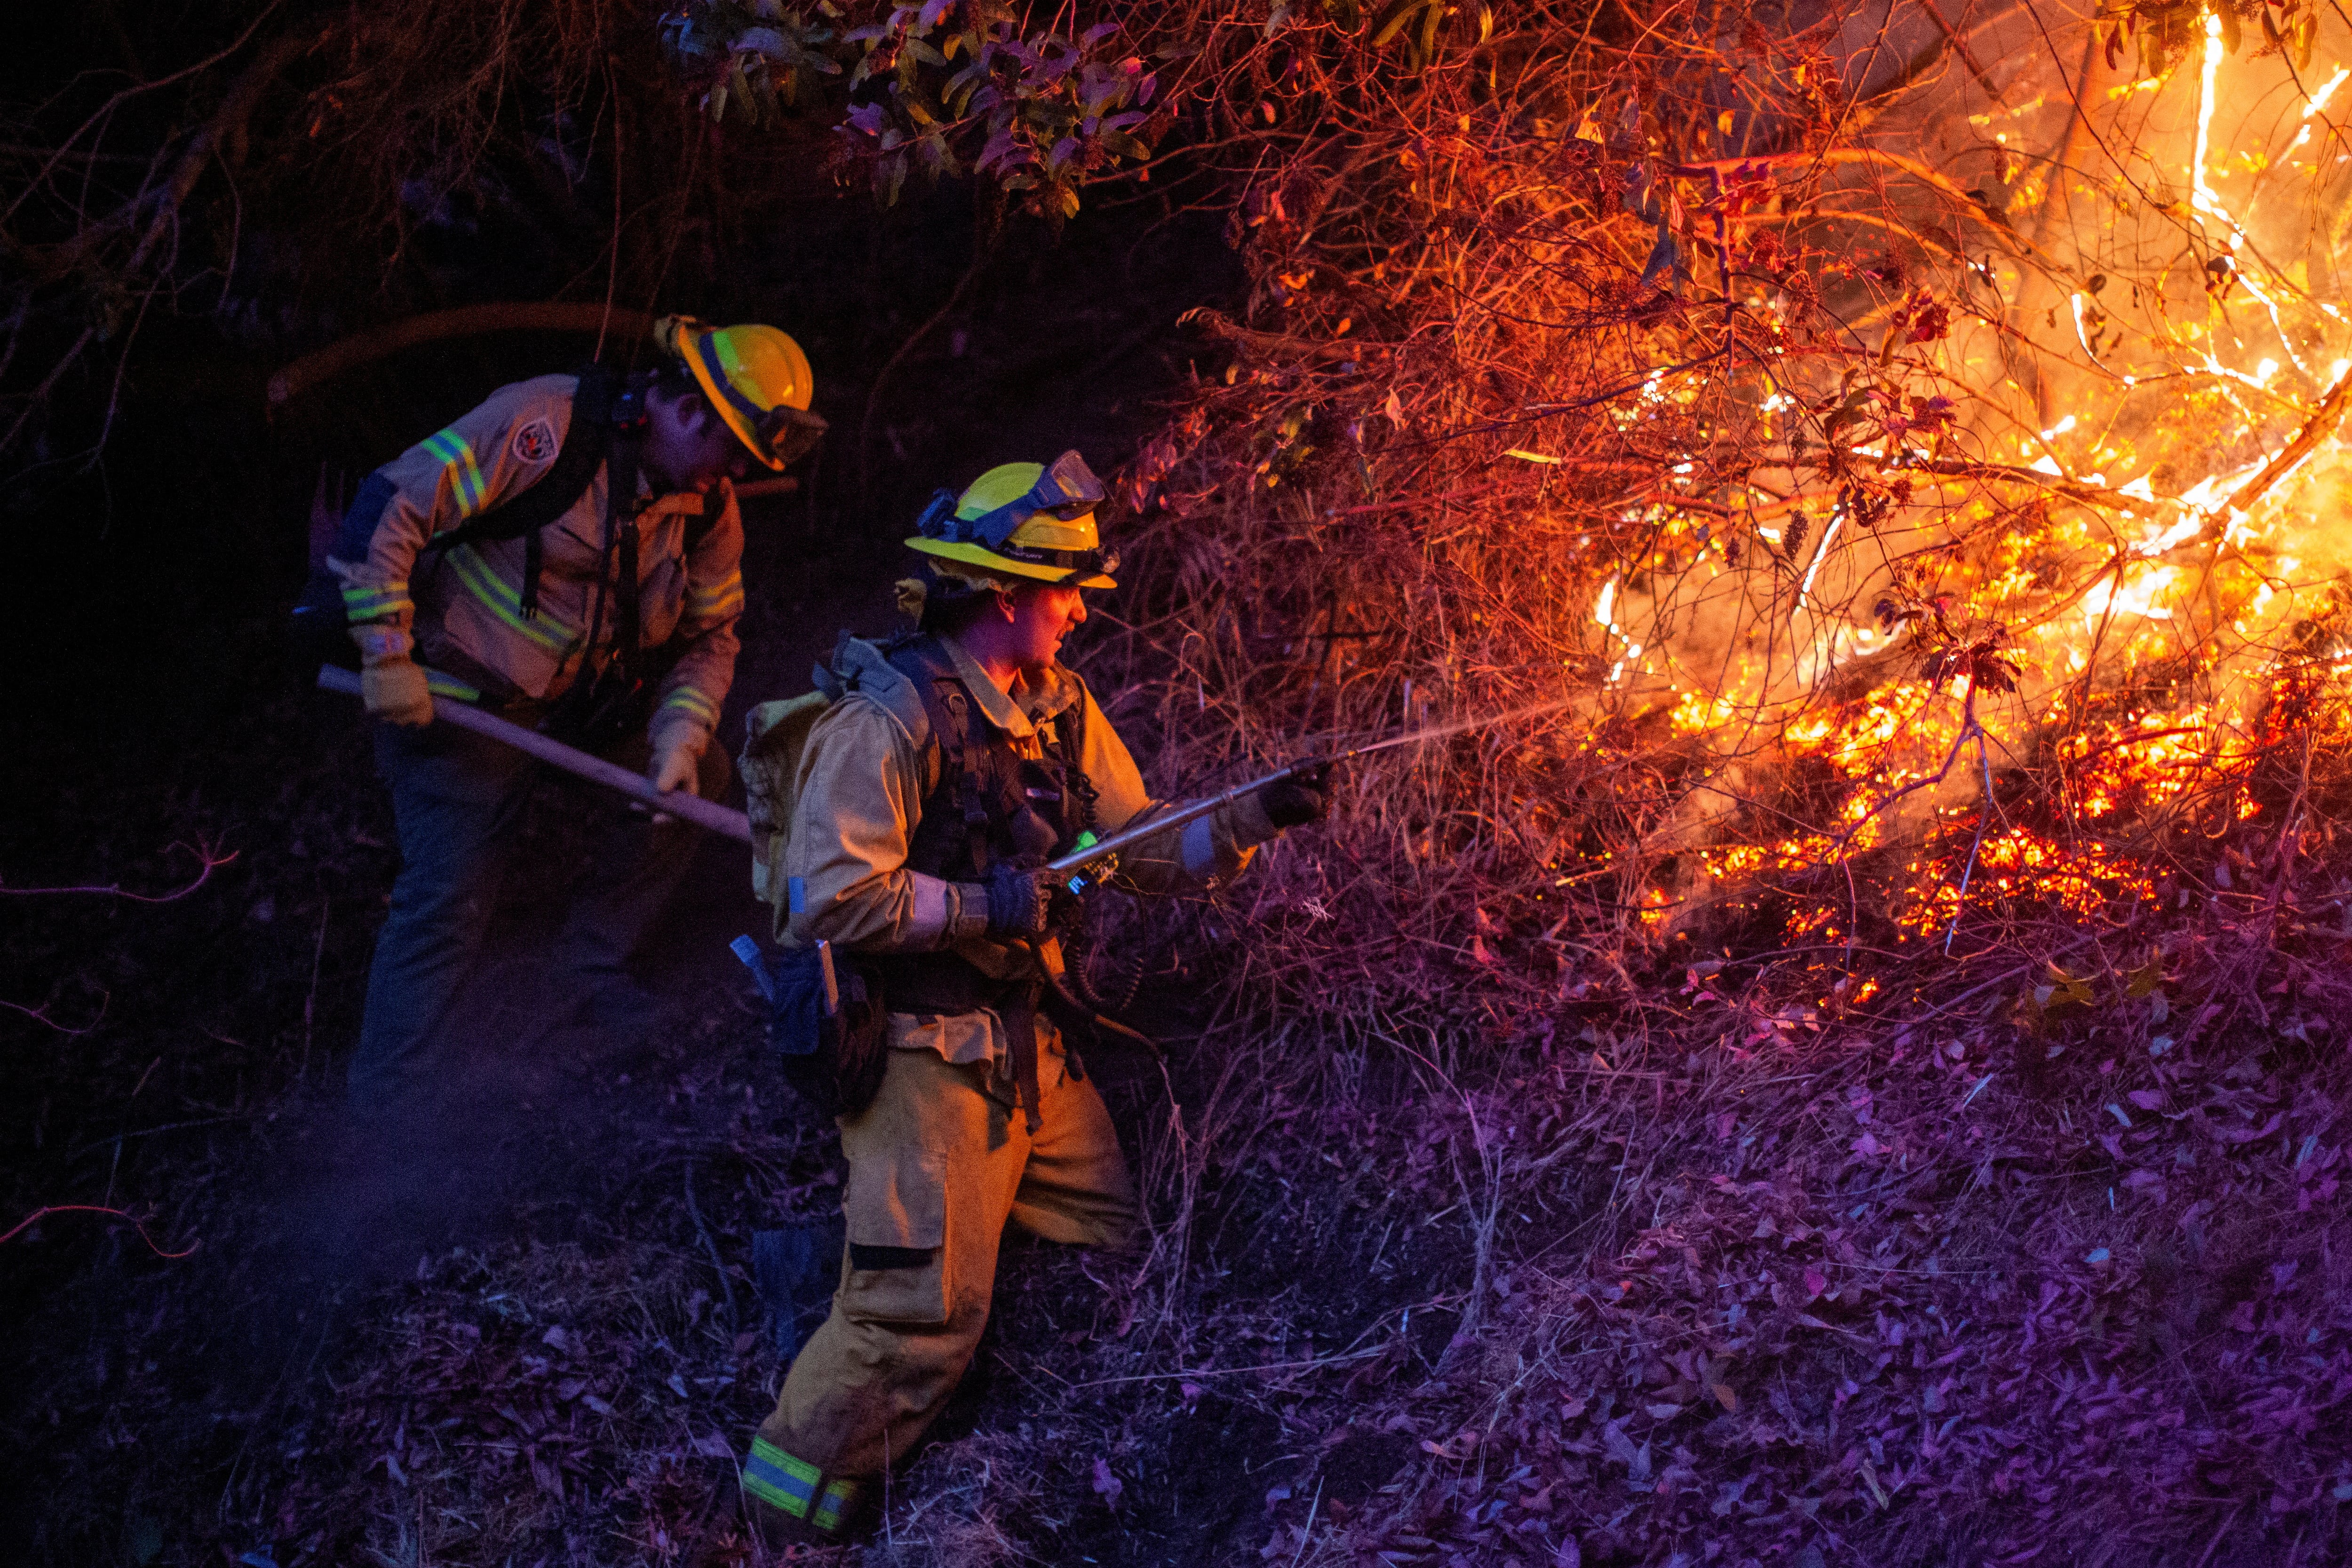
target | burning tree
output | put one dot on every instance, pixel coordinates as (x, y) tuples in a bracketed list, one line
[(1844, 421), (1906, 439)]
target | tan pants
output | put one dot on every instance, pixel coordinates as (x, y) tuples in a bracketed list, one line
[(937, 1165)]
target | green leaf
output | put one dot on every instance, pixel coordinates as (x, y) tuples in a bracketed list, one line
[(1126, 146), (1393, 19)]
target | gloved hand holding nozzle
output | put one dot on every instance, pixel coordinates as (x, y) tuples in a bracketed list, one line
[(1295, 800)]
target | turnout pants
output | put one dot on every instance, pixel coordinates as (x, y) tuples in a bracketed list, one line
[(456, 799), (937, 1165)]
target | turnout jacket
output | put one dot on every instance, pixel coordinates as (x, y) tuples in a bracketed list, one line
[(460, 610), (858, 800)]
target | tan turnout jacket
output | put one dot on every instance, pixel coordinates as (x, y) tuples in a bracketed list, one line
[(462, 609), (860, 795)]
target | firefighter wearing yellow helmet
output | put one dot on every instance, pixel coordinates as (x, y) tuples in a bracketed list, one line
[(756, 378), (950, 767), (1022, 520), (566, 554)]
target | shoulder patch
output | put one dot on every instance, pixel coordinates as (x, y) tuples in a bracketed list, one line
[(535, 443)]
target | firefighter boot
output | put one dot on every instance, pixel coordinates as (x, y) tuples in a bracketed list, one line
[(791, 1502)]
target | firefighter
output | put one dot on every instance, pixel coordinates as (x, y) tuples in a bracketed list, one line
[(949, 768), (567, 555)]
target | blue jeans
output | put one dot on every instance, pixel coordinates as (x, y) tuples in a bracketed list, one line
[(457, 800)]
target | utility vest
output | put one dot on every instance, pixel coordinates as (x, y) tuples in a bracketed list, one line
[(985, 804)]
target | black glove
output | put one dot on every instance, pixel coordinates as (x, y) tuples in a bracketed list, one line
[(1297, 799), (1020, 902)]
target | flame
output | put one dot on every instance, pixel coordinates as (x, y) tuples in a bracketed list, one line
[(1982, 698)]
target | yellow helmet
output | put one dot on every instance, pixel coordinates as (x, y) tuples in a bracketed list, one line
[(756, 379), (1024, 519)]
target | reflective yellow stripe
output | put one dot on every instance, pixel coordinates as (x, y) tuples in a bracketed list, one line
[(834, 1504), (693, 702), (780, 1480), (442, 686), (505, 603), (451, 448), (374, 603), (724, 598)]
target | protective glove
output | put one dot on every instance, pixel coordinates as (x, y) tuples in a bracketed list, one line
[(1020, 903), (677, 763), (1297, 800), (392, 687)]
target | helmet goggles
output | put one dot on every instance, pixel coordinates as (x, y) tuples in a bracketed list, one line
[(1067, 490), (788, 434)]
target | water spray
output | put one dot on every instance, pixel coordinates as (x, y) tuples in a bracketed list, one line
[(1096, 860)]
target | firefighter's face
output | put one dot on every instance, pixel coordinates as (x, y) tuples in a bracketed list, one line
[(1041, 617), (689, 446)]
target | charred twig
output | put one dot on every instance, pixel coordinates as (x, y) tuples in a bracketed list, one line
[(212, 862), (1984, 818), (726, 1280), (41, 1015)]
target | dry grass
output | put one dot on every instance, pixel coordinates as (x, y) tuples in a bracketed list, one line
[(1790, 1185)]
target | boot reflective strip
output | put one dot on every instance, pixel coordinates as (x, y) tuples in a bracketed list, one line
[(834, 1504), (780, 1480), (458, 458)]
